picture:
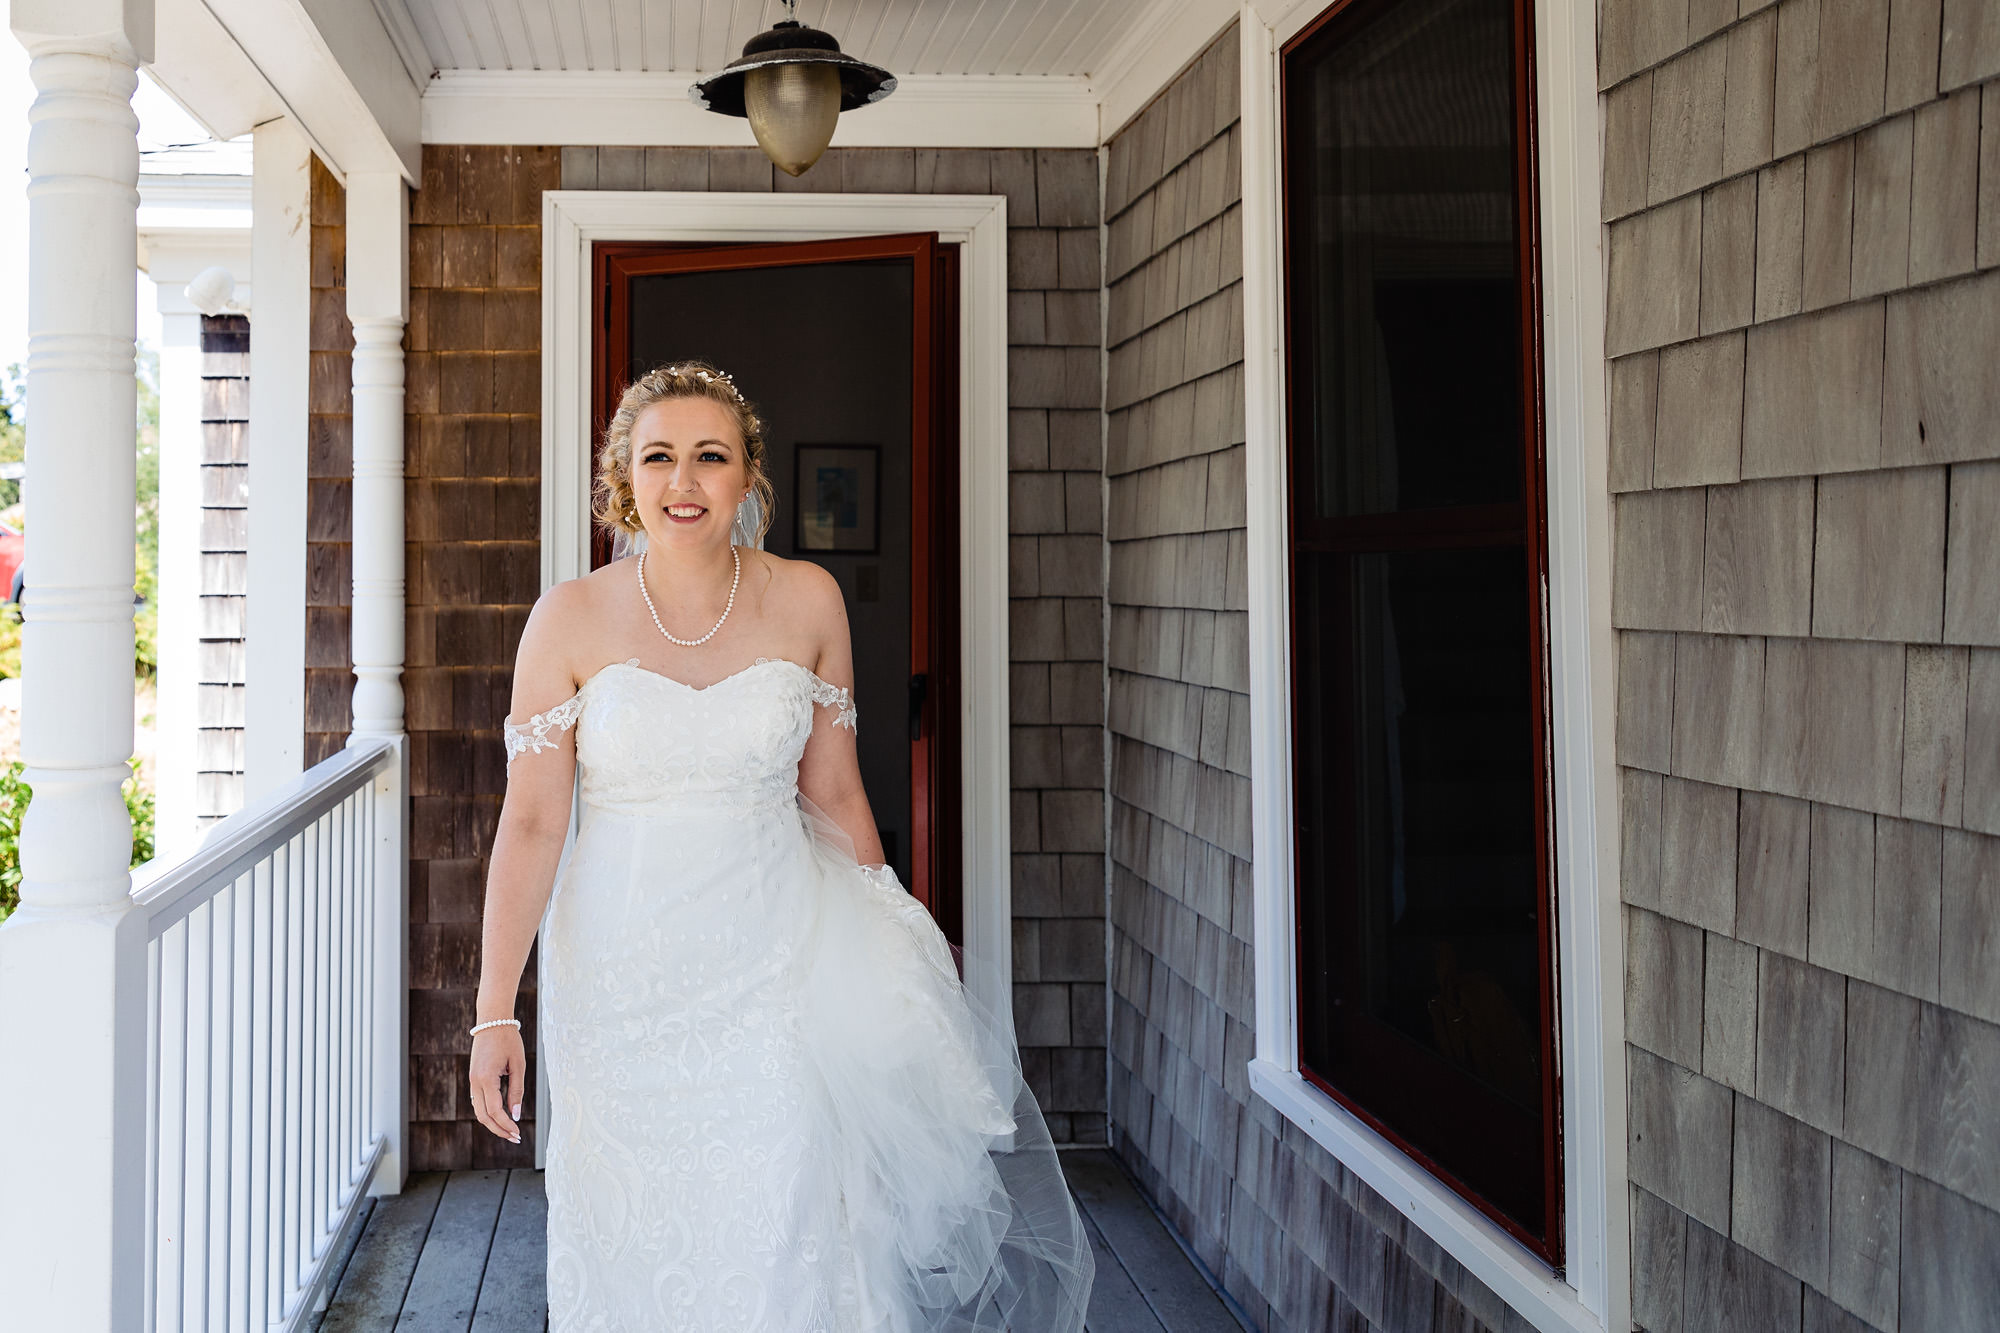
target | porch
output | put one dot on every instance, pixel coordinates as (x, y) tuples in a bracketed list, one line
[(463, 1252), (254, 1044)]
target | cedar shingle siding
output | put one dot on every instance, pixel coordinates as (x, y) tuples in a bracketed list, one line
[(1804, 414), (225, 547), (329, 477)]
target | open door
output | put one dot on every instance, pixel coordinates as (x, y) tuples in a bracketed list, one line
[(850, 349)]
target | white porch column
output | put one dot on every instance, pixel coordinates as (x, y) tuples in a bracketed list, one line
[(378, 285), (274, 697), (72, 957)]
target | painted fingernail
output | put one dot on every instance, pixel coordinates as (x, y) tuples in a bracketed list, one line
[(517, 1110)]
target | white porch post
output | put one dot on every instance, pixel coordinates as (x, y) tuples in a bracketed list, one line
[(274, 623), (378, 285), (72, 957)]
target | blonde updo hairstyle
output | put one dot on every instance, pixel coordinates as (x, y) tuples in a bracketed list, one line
[(612, 504)]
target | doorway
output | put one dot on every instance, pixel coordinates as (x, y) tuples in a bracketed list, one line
[(849, 348)]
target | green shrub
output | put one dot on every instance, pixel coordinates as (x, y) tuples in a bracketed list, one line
[(14, 794)]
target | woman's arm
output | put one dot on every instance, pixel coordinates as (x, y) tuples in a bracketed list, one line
[(534, 821), (830, 768)]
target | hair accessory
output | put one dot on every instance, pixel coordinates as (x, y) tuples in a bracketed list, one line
[(716, 377)]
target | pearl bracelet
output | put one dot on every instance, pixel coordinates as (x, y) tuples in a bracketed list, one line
[(492, 1022)]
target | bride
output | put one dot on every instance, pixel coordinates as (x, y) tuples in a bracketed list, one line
[(773, 1105)]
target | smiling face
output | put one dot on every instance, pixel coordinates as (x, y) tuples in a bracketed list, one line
[(689, 470)]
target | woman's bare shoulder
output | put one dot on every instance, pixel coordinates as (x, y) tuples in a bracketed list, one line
[(565, 617), (800, 588), (808, 598)]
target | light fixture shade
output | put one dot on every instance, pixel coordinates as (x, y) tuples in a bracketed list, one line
[(793, 109), (792, 82)]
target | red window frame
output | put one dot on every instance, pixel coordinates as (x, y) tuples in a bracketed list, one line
[(1468, 526)]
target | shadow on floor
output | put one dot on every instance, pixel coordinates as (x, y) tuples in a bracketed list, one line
[(464, 1252)]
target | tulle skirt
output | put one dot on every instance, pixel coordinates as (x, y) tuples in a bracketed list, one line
[(774, 1106)]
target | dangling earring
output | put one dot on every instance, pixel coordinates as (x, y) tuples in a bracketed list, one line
[(743, 532)]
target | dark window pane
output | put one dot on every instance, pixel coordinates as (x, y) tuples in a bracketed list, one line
[(1406, 245), (1418, 901), (1426, 992)]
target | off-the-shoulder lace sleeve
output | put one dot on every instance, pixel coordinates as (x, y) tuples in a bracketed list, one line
[(535, 734), (826, 692)]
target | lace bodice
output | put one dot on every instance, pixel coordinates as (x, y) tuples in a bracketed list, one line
[(647, 741)]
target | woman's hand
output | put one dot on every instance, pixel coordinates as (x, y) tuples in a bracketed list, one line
[(497, 1051)]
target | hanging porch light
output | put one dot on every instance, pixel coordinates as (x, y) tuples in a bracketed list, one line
[(792, 83)]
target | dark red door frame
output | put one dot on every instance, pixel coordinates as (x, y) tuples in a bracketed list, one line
[(934, 741)]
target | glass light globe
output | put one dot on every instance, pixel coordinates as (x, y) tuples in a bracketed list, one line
[(793, 109)]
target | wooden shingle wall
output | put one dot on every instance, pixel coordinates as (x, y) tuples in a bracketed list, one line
[(329, 476), (1055, 554), (225, 548), (1296, 1240), (1804, 210)]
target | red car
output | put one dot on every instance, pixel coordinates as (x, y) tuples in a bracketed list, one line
[(13, 545)]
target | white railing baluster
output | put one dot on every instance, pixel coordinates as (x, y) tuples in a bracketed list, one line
[(322, 976), (344, 1024), (267, 1059), (368, 960), (293, 998), (155, 973), (259, 1304)]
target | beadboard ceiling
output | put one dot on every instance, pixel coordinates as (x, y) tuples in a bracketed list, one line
[(1045, 37)]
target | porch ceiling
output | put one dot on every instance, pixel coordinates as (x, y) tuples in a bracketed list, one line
[(1064, 37)]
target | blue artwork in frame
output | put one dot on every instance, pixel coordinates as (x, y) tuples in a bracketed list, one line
[(839, 490)]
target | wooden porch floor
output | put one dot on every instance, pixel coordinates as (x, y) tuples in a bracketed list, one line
[(462, 1252)]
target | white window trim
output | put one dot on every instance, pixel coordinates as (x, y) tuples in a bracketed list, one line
[(573, 219), (1594, 1291)]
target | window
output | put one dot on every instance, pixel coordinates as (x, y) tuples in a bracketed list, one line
[(1425, 895)]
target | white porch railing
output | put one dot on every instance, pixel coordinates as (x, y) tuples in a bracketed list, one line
[(275, 982)]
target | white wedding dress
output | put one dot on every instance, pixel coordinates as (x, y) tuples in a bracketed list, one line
[(773, 1106)]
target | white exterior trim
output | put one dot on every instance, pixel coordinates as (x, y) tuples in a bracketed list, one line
[(331, 66), (1151, 52), (1593, 1293), (573, 219), (274, 620), (462, 106)]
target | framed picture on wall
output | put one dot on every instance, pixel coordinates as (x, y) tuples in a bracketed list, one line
[(839, 490)]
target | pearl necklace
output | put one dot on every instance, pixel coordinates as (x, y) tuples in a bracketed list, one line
[(735, 552)]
